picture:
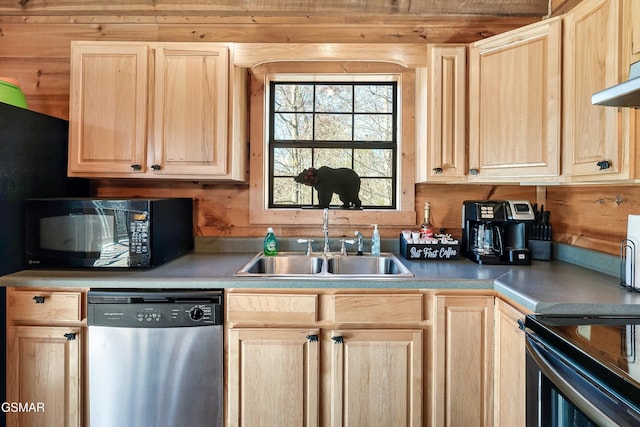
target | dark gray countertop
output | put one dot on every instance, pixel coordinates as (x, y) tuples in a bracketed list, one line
[(543, 287)]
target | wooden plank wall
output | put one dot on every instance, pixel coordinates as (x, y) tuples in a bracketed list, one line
[(223, 210), (35, 49)]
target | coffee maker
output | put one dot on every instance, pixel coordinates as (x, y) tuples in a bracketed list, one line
[(494, 231)]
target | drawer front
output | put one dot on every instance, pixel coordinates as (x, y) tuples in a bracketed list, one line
[(44, 306), (379, 308), (291, 308)]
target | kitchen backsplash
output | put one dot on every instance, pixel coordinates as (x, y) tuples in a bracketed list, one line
[(592, 217)]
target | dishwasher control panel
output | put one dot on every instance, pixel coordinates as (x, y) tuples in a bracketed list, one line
[(154, 310)]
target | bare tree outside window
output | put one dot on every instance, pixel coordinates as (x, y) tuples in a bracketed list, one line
[(335, 124)]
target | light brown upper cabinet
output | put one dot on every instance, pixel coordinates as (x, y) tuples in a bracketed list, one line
[(515, 105), (165, 110), (443, 157), (632, 12), (596, 138)]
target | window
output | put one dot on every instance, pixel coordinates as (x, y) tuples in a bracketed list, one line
[(337, 124), (348, 65)]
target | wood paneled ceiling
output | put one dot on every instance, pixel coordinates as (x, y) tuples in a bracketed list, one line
[(506, 8)]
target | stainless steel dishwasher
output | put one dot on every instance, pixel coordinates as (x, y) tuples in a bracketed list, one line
[(155, 358)]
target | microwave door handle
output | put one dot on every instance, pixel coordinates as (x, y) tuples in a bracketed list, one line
[(566, 388)]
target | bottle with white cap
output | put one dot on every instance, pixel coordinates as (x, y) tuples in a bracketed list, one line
[(270, 243), (375, 241)]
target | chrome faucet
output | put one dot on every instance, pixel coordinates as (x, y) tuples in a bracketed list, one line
[(325, 230), (360, 238)]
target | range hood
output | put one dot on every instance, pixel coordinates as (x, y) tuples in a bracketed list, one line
[(625, 94)]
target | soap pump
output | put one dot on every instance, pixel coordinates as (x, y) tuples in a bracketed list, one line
[(375, 241)]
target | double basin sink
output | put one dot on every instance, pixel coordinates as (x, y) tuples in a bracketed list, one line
[(329, 266)]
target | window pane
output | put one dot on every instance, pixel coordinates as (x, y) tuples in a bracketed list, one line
[(291, 161), (373, 163), (373, 99), (376, 191), (333, 124), (293, 127), (333, 127), (334, 98), (293, 98), (373, 127), (333, 157), (288, 192)]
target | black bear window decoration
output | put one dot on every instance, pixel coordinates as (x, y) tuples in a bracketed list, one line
[(329, 181), (341, 135)]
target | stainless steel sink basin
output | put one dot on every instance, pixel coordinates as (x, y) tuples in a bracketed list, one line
[(331, 266), (365, 265), (284, 264)]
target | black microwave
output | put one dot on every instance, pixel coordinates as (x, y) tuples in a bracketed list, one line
[(103, 232)]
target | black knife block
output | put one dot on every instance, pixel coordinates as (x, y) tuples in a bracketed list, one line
[(540, 249)]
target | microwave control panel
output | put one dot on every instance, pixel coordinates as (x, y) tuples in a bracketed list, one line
[(139, 237)]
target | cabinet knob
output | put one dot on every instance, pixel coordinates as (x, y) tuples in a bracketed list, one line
[(338, 340), (437, 170), (70, 336), (136, 167), (39, 299), (603, 164), (521, 324), (155, 167), (474, 171), (312, 338)]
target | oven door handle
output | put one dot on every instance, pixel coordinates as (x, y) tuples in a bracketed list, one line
[(566, 388)]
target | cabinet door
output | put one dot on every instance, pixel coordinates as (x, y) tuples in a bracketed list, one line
[(593, 134), (463, 361), (190, 110), (43, 371), (632, 11), (376, 378), (445, 156), (108, 109), (272, 377), (510, 372), (514, 104)]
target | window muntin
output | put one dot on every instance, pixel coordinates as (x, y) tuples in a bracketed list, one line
[(335, 124)]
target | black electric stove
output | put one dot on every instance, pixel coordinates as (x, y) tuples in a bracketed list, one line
[(603, 348)]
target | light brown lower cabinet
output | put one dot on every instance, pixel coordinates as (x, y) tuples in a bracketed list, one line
[(312, 357), (273, 377), (463, 361), (44, 357), (360, 372), (510, 369), (376, 377)]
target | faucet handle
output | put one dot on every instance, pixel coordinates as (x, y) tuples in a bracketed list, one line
[(343, 248), (309, 246)]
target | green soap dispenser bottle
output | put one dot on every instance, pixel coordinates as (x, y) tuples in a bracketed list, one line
[(270, 243)]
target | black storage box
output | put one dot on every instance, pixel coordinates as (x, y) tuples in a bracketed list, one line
[(429, 251)]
